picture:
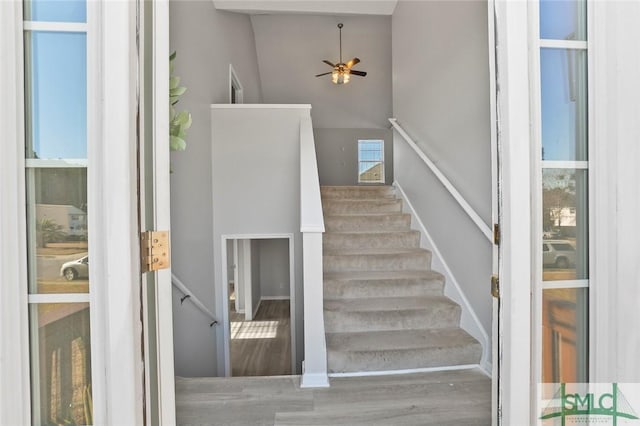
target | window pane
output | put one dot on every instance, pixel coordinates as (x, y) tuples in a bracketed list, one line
[(564, 104), (60, 364), (563, 19), (565, 222), (55, 10), (57, 221), (564, 335), (56, 95)]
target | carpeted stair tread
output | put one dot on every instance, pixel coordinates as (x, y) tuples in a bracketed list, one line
[(374, 251), (427, 303), (383, 275), (398, 340), (363, 206)]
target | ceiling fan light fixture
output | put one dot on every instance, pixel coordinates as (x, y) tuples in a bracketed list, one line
[(340, 77), (341, 73)]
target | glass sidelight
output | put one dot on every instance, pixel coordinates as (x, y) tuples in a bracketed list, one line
[(56, 166), (563, 216)]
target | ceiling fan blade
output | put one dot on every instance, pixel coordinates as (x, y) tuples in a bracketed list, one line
[(359, 73), (324, 73), (352, 62), (328, 63)]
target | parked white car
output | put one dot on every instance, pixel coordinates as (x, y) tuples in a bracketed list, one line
[(75, 269), (559, 253)]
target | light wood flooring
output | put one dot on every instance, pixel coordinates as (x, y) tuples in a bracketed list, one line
[(457, 398), (262, 347)]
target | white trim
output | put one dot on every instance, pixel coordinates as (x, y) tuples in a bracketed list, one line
[(475, 217), (546, 285), (275, 298), (316, 380), (224, 318), (59, 298), (469, 321), (15, 404), (260, 106), (409, 371), (51, 164), (382, 175), (234, 81), (162, 210), (115, 272), (514, 332), (546, 164), (562, 44), (67, 27)]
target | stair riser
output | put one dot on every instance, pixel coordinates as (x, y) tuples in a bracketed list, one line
[(350, 289), (379, 223), (420, 261), (330, 206), (402, 359), (345, 322), (370, 192), (350, 241)]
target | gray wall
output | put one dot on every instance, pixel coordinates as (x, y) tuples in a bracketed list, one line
[(290, 53), (441, 97), (337, 152), (256, 186), (274, 268), (206, 41)]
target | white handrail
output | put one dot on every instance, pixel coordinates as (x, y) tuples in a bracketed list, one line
[(484, 228), (192, 297)]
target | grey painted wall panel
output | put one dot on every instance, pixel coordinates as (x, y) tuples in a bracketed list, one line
[(441, 97), (274, 267), (290, 53), (337, 153), (256, 185), (206, 42)]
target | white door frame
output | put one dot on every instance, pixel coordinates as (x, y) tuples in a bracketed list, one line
[(514, 334), (226, 323), (116, 328), (160, 168)]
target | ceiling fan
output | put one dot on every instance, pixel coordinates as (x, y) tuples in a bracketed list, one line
[(342, 72)]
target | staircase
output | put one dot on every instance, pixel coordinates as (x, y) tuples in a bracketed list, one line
[(384, 307)]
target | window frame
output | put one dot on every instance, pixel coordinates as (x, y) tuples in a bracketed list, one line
[(382, 172)]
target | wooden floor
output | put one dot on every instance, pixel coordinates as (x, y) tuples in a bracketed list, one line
[(440, 398), (262, 347)]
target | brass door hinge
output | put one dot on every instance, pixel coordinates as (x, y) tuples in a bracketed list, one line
[(495, 286), (154, 250), (496, 234)]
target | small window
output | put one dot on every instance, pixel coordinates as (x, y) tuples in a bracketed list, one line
[(370, 161)]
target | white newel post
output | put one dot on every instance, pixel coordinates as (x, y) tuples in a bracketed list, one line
[(314, 366), (314, 372)]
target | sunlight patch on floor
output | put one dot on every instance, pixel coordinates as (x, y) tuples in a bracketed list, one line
[(254, 329)]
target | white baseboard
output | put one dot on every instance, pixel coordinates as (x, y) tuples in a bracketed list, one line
[(313, 380), (406, 371), (469, 321), (276, 298)]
